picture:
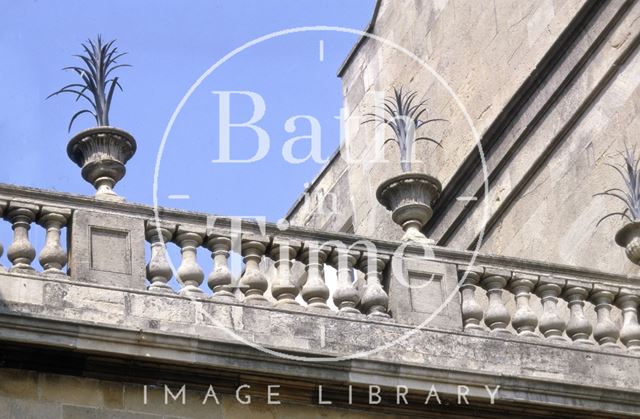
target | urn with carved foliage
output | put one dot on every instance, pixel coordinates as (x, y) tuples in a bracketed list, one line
[(629, 238), (102, 153), (410, 197)]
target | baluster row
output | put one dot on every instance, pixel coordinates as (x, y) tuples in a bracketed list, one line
[(253, 284), (549, 323), (21, 252)]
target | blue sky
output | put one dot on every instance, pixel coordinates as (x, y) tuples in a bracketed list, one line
[(170, 45)]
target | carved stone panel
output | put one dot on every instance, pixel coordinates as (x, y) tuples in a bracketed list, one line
[(107, 249), (110, 250), (426, 291)]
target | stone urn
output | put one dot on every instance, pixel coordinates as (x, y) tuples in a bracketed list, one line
[(629, 238), (102, 153), (410, 197)]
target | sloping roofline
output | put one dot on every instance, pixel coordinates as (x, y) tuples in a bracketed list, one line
[(343, 67), (360, 42)]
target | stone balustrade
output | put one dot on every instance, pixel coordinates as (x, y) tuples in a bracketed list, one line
[(253, 285), (102, 250), (568, 308), (21, 252), (506, 297)]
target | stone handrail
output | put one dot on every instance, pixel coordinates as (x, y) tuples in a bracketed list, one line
[(106, 243)]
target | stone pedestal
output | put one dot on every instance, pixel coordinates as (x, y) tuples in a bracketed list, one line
[(107, 249), (420, 290)]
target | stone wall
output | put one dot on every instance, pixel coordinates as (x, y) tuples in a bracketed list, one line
[(551, 89), (555, 215), (31, 394)]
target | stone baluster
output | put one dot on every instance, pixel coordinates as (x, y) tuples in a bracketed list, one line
[(551, 324), (159, 270), (374, 301), (52, 256), (3, 207), (628, 301), (496, 316), (524, 320), (220, 280), (471, 309), (21, 252), (578, 328), (606, 332), (345, 296), (189, 273), (253, 282), (283, 289), (314, 292)]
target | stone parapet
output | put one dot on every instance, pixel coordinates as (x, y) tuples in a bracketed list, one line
[(360, 311)]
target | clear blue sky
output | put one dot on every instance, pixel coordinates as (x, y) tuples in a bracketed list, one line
[(170, 44)]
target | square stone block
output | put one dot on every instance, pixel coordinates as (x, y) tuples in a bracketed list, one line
[(107, 249), (419, 289)]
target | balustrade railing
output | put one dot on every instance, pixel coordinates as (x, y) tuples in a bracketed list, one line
[(502, 296), (21, 252), (253, 284), (569, 309), (190, 233)]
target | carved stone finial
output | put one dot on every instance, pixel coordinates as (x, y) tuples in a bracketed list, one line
[(102, 153), (410, 197)]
